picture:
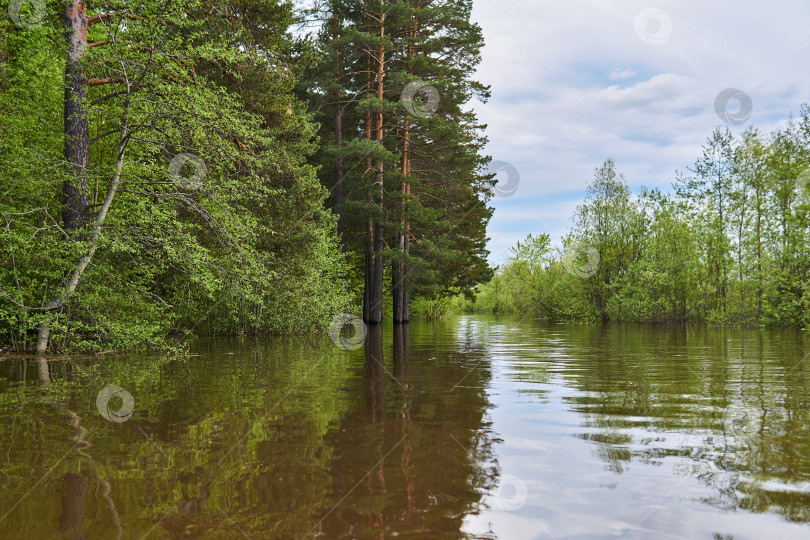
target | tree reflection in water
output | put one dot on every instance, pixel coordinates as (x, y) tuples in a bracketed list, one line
[(280, 438), (403, 464), (295, 437)]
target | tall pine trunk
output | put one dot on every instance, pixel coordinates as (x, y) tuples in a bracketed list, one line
[(338, 187), (376, 307), (77, 140), (400, 268), (368, 271), (368, 295)]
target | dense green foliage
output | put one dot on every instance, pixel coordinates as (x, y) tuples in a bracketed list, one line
[(249, 247), (730, 245), (406, 177), (199, 186)]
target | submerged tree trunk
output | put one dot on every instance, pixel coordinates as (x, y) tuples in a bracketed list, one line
[(77, 140)]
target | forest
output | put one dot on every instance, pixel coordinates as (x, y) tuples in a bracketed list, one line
[(182, 168), (246, 287), (178, 168), (728, 245)]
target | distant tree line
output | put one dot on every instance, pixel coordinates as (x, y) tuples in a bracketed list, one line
[(730, 244), (182, 167)]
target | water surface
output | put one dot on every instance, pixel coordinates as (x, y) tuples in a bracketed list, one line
[(476, 427)]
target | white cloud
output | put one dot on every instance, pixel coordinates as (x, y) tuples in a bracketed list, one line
[(573, 83), (620, 74)]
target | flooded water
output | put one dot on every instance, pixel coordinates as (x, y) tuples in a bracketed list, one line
[(472, 427)]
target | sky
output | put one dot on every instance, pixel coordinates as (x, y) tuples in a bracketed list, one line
[(577, 81)]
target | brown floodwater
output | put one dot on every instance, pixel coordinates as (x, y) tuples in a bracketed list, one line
[(471, 427)]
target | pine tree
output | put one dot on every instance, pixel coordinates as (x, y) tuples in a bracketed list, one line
[(411, 191)]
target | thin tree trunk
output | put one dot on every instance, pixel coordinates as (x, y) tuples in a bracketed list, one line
[(44, 333), (400, 269), (369, 271), (723, 269), (369, 255), (404, 241), (377, 285), (376, 307), (338, 187), (759, 255), (58, 303), (396, 290), (77, 140), (405, 294)]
